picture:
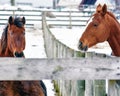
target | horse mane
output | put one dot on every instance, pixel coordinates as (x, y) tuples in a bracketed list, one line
[(27, 88), (4, 40), (21, 88), (112, 15)]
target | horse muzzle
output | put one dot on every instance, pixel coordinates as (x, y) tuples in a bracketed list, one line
[(17, 54), (81, 47)]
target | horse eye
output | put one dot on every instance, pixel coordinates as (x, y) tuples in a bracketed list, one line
[(95, 25), (98, 11)]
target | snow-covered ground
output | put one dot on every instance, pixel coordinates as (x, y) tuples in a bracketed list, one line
[(34, 44), (50, 88)]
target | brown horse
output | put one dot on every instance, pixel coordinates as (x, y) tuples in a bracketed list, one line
[(103, 27), (12, 44)]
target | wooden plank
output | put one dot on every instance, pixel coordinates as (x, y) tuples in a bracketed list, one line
[(69, 68)]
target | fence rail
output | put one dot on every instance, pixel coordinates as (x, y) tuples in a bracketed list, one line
[(74, 76), (63, 17), (64, 68), (34, 17)]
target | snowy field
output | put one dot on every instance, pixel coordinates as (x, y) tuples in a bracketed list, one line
[(34, 44)]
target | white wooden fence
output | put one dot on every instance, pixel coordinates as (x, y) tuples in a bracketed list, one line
[(34, 17)]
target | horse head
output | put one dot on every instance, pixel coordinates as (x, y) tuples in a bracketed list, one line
[(97, 30), (16, 36)]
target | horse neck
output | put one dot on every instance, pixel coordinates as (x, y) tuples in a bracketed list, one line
[(4, 50), (114, 38)]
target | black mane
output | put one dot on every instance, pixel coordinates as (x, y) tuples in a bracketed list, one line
[(4, 40)]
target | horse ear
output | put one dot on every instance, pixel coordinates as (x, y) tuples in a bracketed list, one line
[(10, 20), (23, 20), (99, 8), (104, 9)]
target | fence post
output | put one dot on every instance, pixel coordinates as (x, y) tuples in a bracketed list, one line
[(70, 18), (80, 88), (13, 13), (89, 88), (114, 88), (99, 88)]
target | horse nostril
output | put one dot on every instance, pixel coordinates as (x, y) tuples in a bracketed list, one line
[(80, 45), (85, 48), (21, 54)]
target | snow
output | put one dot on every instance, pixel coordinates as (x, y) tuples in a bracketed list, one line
[(49, 84), (7, 6), (35, 44), (69, 3)]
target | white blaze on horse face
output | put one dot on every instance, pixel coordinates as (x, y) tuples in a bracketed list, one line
[(88, 22)]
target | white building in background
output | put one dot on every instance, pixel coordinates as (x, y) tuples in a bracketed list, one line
[(33, 3), (51, 3), (3, 2)]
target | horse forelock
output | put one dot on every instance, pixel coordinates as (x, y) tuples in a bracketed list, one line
[(4, 40), (18, 22)]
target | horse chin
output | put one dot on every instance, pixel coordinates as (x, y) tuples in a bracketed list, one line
[(81, 47), (21, 54)]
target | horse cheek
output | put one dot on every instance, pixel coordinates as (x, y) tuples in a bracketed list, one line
[(24, 44), (10, 43)]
